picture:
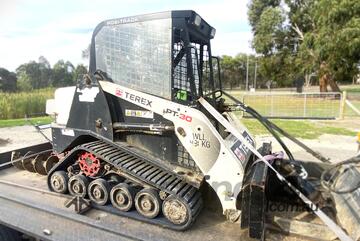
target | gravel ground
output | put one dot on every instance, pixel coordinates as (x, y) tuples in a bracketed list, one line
[(335, 147), (12, 138)]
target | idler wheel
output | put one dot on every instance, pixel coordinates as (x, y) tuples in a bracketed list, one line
[(176, 210), (59, 182)]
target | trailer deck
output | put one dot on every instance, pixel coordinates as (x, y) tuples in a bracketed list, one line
[(26, 205)]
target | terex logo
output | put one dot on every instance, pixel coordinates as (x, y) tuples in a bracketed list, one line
[(119, 92), (132, 97)]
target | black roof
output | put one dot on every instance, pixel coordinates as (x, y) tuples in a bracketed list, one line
[(151, 16)]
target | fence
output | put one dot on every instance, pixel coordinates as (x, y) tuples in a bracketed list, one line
[(352, 104), (295, 105)]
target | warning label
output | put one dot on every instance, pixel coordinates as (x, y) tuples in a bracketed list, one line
[(139, 113)]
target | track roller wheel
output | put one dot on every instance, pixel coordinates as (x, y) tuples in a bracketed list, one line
[(78, 185), (59, 182), (122, 197), (98, 191), (148, 202), (176, 210)]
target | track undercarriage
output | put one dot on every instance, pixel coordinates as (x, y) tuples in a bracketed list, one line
[(108, 173)]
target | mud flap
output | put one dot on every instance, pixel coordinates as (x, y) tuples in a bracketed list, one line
[(253, 197), (254, 201)]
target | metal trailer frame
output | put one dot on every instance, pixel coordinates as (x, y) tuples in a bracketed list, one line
[(28, 207)]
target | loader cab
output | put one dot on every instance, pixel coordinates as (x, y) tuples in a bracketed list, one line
[(166, 54)]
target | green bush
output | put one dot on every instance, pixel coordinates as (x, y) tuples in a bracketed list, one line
[(21, 104)]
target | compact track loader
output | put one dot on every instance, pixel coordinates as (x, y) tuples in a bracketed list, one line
[(147, 134)]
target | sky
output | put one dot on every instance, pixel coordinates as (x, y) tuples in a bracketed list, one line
[(61, 29)]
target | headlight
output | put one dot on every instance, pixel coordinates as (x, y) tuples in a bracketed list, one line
[(197, 20), (213, 32)]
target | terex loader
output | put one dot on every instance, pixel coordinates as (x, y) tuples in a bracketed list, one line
[(147, 134)]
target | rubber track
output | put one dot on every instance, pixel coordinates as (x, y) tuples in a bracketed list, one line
[(141, 168)]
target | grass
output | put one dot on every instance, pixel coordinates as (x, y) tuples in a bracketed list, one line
[(351, 88), (292, 106), (21, 122), (277, 104), (300, 129), (297, 128), (17, 105)]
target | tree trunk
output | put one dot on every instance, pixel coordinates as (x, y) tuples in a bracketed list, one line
[(307, 80), (326, 79), (333, 85), (323, 82)]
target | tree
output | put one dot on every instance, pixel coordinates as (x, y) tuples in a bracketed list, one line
[(233, 71), (307, 37), (63, 74), (228, 71), (256, 8), (7, 80), (336, 40), (45, 72), (34, 75), (85, 54), (29, 76), (79, 71), (269, 31), (271, 41)]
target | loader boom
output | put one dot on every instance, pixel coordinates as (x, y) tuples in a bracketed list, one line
[(223, 169)]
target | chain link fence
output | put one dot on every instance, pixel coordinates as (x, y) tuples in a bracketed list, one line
[(295, 105)]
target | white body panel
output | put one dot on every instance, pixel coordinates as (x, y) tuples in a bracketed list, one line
[(60, 106)]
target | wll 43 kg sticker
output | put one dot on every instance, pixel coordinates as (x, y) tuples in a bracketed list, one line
[(200, 140)]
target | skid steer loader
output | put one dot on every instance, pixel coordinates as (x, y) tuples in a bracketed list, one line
[(146, 133)]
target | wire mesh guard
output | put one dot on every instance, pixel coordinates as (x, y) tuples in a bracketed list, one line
[(295, 105), (181, 73), (137, 55), (184, 159)]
